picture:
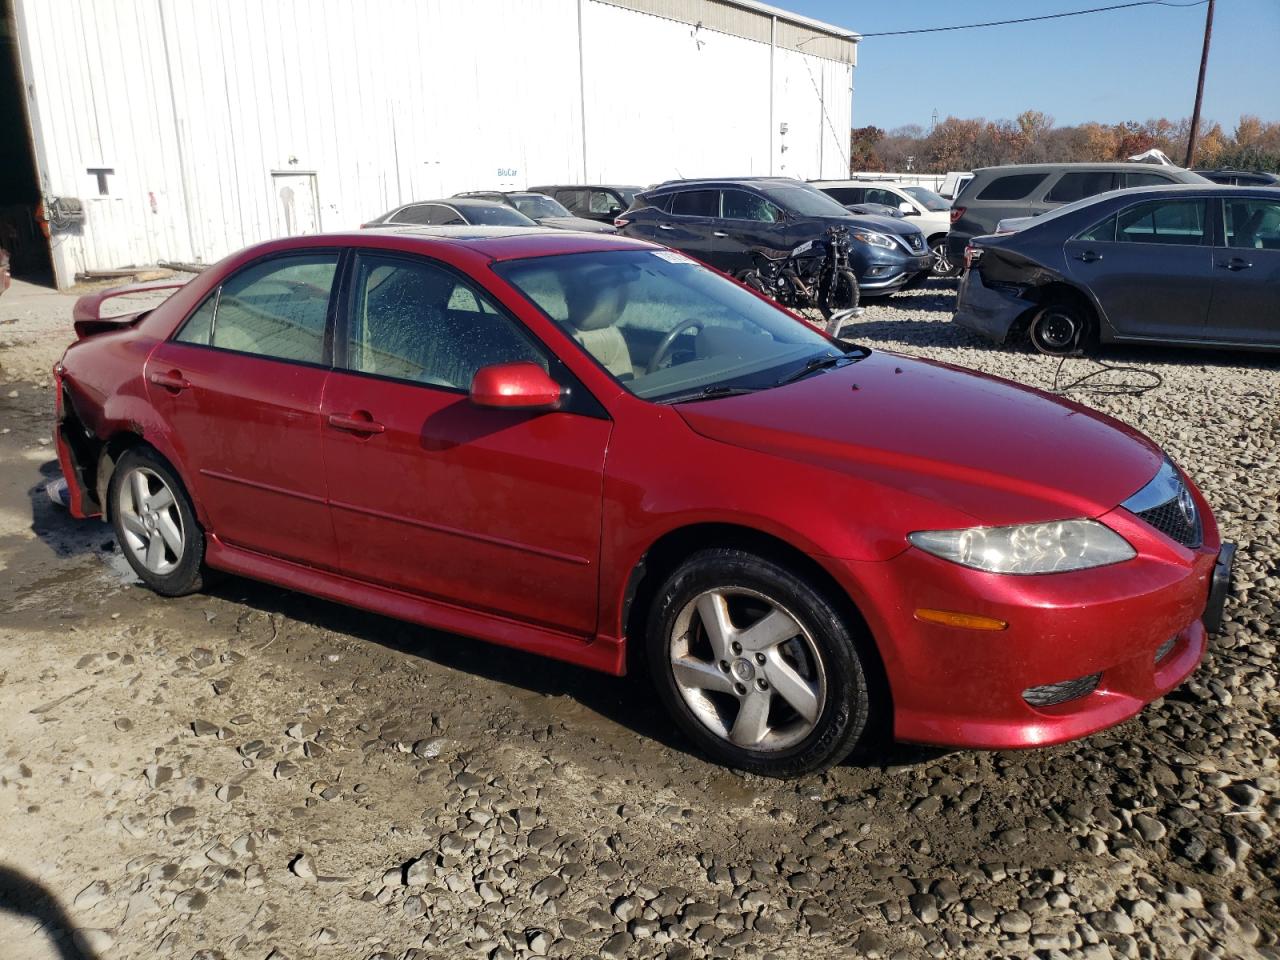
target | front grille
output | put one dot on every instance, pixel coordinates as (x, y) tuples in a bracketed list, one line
[(1164, 649), (916, 241), (1170, 519), (1051, 694)]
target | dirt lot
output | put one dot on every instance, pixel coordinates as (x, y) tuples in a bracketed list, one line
[(251, 773)]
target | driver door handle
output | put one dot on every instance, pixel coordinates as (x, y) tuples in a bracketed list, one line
[(1089, 256), (359, 422), (171, 380), (1236, 263), (665, 226), (719, 233)]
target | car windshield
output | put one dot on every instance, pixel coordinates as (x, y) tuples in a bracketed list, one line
[(495, 216), (666, 327), (537, 205), (803, 200), (927, 198)]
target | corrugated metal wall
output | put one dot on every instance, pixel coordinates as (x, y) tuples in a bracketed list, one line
[(227, 121)]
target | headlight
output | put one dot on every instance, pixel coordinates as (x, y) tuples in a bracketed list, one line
[(1028, 548), (873, 238)]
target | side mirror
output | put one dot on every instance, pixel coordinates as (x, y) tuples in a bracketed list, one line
[(907, 209), (521, 385), (615, 210)]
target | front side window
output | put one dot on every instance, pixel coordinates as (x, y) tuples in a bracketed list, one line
[(276, 308), (1177, 222), (883, 196), (1013, 186), (696, 203), (602, 201), (1079, 184), (845, 195), (574, 200), (933, 202), (665, 326), (413, 320), (1251, 224), (740, 205)]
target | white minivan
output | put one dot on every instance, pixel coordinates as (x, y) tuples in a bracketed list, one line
[(927, 210)]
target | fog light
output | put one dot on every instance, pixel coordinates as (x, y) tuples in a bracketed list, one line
[(877, 271), (1052, 694)]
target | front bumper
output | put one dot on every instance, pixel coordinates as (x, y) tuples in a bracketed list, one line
[(887, 276), (1138, 625), (987, 310)]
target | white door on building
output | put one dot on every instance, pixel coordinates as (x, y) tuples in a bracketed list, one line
[(297, 209)]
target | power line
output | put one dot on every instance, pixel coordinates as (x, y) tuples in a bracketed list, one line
[(1047, 16)]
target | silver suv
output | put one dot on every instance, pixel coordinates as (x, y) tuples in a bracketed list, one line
[(1030, 189)]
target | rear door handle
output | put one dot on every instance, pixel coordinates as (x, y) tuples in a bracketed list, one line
[(1089, 256), (719, 233), (665, 226), (358, 422), (171, 380), (1236, 263)]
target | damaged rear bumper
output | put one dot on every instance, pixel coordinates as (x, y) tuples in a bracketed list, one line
[(990, 311)]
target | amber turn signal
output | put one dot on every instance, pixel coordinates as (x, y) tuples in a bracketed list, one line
[(969, 621)]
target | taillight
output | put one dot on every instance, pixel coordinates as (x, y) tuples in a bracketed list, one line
[(972, 255), (620, 222), (957, 213)]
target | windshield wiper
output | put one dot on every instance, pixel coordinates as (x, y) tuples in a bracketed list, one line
[(709, 393), (814, 364)]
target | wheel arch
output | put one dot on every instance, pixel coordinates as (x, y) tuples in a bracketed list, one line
[(1058, 291), (671, 549)]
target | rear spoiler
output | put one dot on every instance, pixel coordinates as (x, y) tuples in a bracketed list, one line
[(87, 312)]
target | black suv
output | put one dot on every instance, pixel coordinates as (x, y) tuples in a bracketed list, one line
[(719, 221), (1030, 189), (600, 202), (1241, 178)]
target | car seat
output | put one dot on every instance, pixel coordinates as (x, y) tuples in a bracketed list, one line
[(593, 312)]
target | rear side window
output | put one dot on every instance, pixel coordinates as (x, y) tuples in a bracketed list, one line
[(660, 202), (1080, 184), (575, 200), (1252, 224), (1013, 186), (696, 203), (1145, 180), (845, 195), (418, 213), (277, 308), (1178, 222)]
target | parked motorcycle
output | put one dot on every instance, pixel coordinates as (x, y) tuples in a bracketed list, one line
[(815, 279)]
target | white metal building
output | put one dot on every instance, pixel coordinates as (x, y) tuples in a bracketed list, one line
[(189, 128)]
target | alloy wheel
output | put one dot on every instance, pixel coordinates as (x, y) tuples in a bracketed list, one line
[(151, 521), (748, 669), (942, 266)]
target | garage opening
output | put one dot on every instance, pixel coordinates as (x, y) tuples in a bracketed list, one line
[(21, 223)]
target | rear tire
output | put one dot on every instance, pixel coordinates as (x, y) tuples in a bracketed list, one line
[(1060, 329), (941, 267), (155, 523), (759, 669)]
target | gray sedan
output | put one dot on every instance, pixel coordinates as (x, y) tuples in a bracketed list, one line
[(1189, 265)]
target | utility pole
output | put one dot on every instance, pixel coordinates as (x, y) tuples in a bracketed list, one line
[(1195, 114)]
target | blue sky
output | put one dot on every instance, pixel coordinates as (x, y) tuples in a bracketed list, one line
[(1122, 65)]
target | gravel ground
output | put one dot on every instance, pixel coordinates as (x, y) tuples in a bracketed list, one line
[(250, 773)]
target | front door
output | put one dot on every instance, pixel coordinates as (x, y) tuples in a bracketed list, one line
[(240, 386), (1246, 273), (490, 509), (1150, 268), (748, 222)]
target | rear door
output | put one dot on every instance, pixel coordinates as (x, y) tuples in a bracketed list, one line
[(1246, 273), (692, 225), (240, 384), (1150, 268), (489, 509)]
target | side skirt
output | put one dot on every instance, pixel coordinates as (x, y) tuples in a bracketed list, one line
[(601, 653)]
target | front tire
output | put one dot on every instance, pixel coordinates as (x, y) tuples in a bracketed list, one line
[(941, 267), (757, 667), (845, 293), (155, 523)]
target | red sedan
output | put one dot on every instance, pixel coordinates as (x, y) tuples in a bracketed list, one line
[(577, 445)]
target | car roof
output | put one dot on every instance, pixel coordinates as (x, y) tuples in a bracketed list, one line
[(861, 183), (497, 243), (588, 186), (1104, 165), (727, 182)]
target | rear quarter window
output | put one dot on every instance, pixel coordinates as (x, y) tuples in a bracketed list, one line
[(1012, 186), (1079, 184)]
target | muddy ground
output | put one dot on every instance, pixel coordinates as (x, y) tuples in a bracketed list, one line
[(251, 773)]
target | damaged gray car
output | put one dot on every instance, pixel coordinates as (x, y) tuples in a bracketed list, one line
[(1178, 265)]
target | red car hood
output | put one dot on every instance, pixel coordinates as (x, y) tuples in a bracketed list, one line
[(996, 451)]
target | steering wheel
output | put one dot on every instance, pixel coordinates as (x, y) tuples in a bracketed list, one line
[(665, 346)]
